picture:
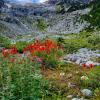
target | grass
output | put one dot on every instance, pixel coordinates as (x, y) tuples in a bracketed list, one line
[(73, 42), (60, 83)]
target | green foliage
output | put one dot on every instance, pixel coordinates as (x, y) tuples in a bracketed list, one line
[(24, 81), (20, 46), (41, 24), (85, 34), (50, 60), (94, 79), (94, 16), (4, 42), (83, 40), (97, 93), (21, 81), (60, 53), (73, 44), (94, 40), (60, 41), (51, 63)]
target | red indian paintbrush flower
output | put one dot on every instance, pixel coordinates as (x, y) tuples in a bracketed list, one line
[(84, 66), (14, 51), (91, 66), (43, 48), (6, 52), (12, 60), (3, 53)]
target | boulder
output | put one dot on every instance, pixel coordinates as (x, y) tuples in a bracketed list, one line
[(75, 99), (87, 92), (79, 61)]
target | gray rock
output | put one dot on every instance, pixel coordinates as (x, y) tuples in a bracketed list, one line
[(73, 58), (78, 61), (83, 55), (75, 99), (87, 92), (82, 99), (79, 99), (83, 50), (69, 96), (72, 85), (97, 55)]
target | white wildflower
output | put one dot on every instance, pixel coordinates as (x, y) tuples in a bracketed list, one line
[(84, 78)]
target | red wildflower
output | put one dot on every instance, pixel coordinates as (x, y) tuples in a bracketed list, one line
[(12, 60), (91, 66), (3, 53), (84, 66), (13, 51), (45, 47), (6, 52)]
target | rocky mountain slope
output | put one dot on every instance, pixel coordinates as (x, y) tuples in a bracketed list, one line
[(22, 19)]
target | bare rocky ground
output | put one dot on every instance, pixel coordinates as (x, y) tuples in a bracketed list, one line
[(83, 55)]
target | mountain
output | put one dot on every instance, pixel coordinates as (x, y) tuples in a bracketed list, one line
[(49, 6), (16, 19)]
